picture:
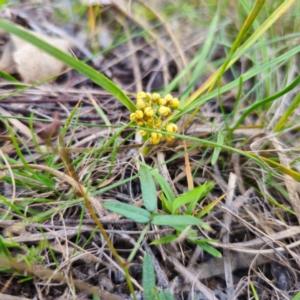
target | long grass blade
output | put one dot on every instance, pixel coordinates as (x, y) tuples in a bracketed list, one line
[(70, 61)]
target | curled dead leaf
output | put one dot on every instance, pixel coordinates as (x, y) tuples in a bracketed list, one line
[(46, 132), (31, 63)]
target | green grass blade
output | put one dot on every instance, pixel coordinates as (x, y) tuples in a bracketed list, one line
[(217, 150), (265, 101), (165, 240), (164, 186), (3, 249), (166, 204), (297, 296), (255, 293), (186, 107), (209, 207), (209, 249), (70, 61), (206, 50), (205, 190), (10, 78), (242, 33), (290, 109), (285, 5)]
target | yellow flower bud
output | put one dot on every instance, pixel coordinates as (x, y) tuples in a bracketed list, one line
[(148, 97), (169, 138), (155, 135), (154, 141), (139, 114), (140, 104), (164, 111), (143, 132), (132, 117), (141, 95), (149, 112), (168, 98), (172, 128), (161, 101), (155, 96), (174, 103), (139, 122)]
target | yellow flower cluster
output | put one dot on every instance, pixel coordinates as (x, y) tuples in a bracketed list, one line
[(152, 109)]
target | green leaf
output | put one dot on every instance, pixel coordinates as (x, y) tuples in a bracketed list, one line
[(148, 280), (217, 150), (166, 205), (297, 296), (134, 213), (148, 189), (192, 234), (255, 293), (288, 111), (205, 240), (10, 78), (3, 249), (165, 240), (189, 196), (182, 227), (70, 61), (257, 104), (164, 186), (204, 191), (209, 207), (166, 295), (209, 249), (241, 36), (171, 220)]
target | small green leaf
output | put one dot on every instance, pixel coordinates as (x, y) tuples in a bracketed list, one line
[(3, 248), (148, 280), (166, 295), (206, 247), (164, 186), (182, 227), (209, 207), (255, 293), (165, 240), (166, 205), (148, 189), (192, 195), (134, 213), (175, 220), (192, 234), (217, 150), (206, 241), (204, 190), (10, 78), (297, 296)]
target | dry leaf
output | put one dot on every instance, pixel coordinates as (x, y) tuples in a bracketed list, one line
[(47, 131), (31, 63)]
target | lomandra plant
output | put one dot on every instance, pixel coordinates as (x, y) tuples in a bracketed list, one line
[(179, 212)]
